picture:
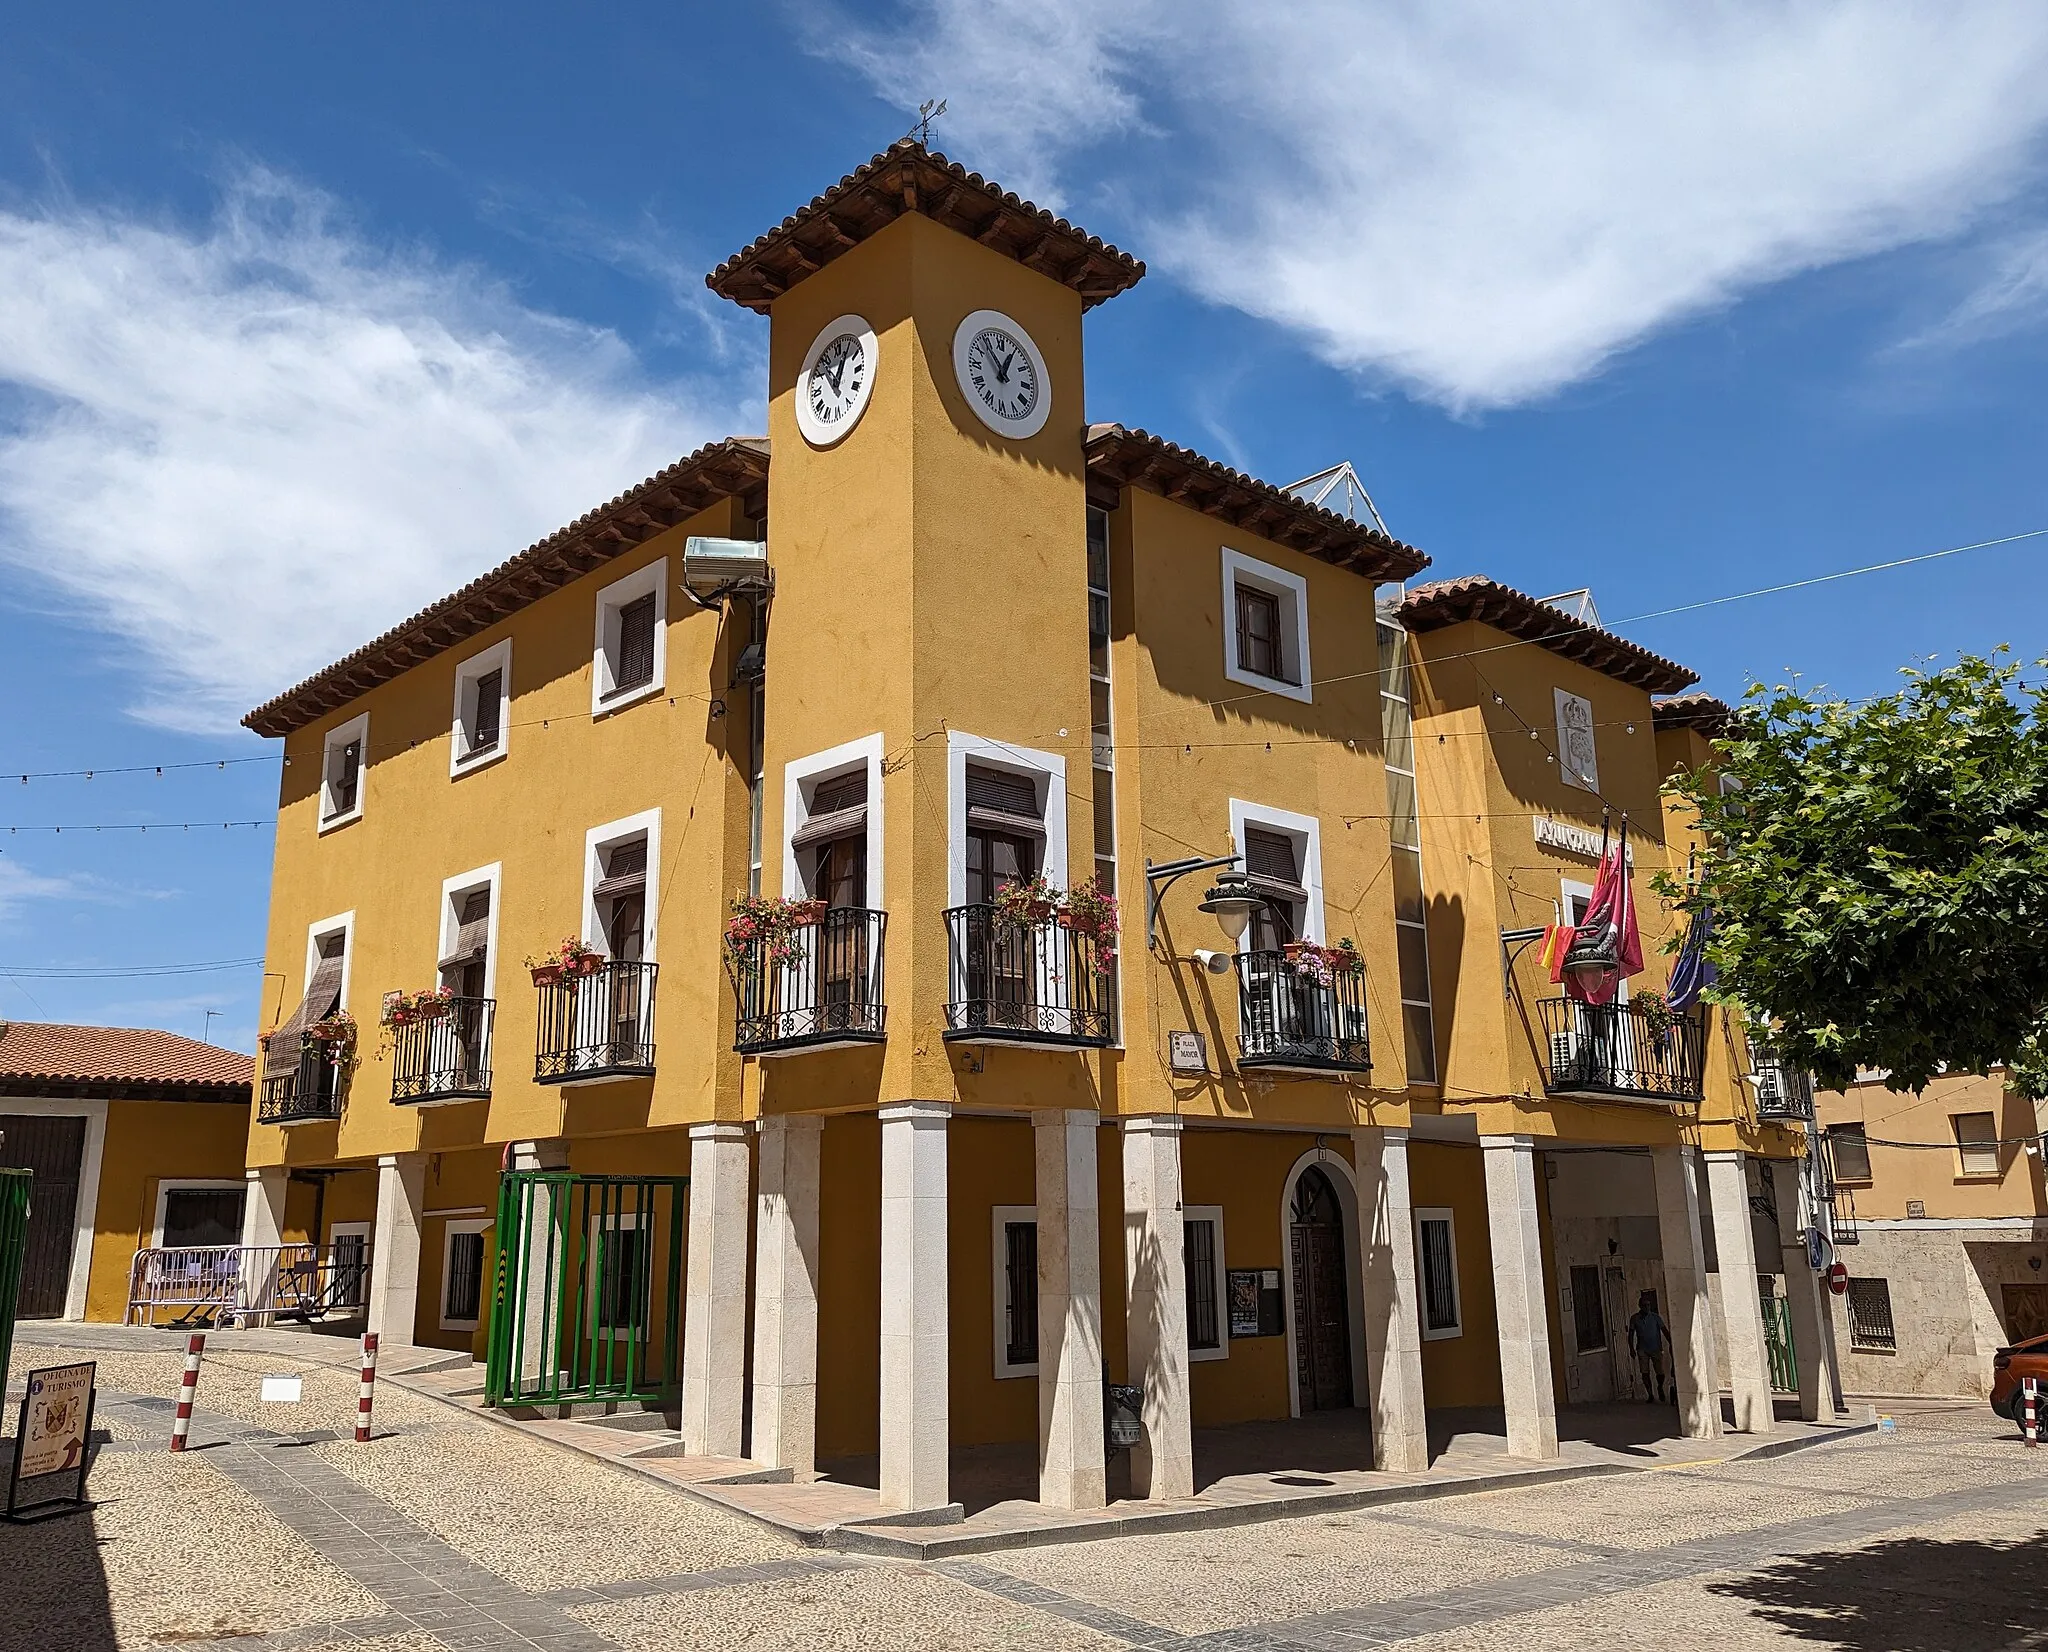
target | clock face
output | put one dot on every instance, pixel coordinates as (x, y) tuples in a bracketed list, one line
[(1002, 374), (838, 376)]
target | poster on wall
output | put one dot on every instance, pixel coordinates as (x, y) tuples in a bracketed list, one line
[(51, 1439), (1255, 1303)]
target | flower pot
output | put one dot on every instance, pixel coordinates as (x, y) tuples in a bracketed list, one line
[(584, 963), (546, 975), (808, 912)]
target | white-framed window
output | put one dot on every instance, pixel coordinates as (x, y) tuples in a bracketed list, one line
[(1411, 930), (1265, 626), (199, 1210), (1013, 1251), (836, 793), (1976, 1143), (467, 938), (629, 660), (344, 762), (480, 730), (462, 1273), (1577, 759), (621, 871), (1436, 1271), (1208, 1305), (1101, 721), (996, 792), (1281, 842)]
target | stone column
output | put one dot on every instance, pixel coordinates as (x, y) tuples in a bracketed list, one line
[(1742, 1318), (1813, 1324), (715, 1292), (1156, 1306), (1393, 1314), (262, 1229), (1529, 1392), (916, 1420), (395, 1251), (1684, 1303), (547, 1252), (786, 1292), (1072, 1454)]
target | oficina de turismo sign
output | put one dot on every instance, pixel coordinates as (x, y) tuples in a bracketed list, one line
[(51, 1440)]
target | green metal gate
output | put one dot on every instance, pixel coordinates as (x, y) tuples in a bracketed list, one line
[(1778, 1344), (14, 1186), (586, 1299)]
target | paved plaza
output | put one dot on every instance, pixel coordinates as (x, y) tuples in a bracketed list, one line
[(449, 1531)]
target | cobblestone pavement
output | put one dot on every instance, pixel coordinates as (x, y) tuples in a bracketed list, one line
[(277, 1533)]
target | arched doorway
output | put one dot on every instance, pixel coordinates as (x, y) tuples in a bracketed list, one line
[(1322, 1294)]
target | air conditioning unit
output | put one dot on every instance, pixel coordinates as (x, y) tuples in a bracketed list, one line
[(1564, 1057), (1770, 1090), (713, 567)]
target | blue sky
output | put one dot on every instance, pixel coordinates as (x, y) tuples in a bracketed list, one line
[(307, 317)]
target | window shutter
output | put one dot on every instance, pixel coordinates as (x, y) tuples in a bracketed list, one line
[(635, 665), (1270, 855), (1003, 801), (472, 929), (845, 791), (625, 870), (323, 992), (486, 725)]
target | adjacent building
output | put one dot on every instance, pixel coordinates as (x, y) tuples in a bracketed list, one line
[(699, 974)]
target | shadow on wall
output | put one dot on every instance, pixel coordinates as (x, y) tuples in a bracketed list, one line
[(1913, 1594), (56, 1589)]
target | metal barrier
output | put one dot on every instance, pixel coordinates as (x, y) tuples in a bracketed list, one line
[(14, 1201), (586, 1302), (247, 1284), (1778, 1346)]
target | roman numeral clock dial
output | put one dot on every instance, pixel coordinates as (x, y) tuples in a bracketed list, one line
[(837, 379), (1002, 374)]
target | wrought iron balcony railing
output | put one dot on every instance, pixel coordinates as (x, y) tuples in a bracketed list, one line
[(307, 1093), (1027, 983), (1616, 1050), (1782, 1090), (444, 1057), (596, 1025), (1289, 1020), (828, 996)]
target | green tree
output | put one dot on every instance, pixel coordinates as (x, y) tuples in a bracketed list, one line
[(1879, 874)]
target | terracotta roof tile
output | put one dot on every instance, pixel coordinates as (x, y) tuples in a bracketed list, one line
[(1711, 716), (907, 177), (45, 1051), (1474, 597)]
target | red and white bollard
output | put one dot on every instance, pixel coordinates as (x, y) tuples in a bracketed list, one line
[(368, 1388), (2030, 1410), (182, 1424)]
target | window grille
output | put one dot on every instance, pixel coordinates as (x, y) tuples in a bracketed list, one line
[(1198, 1247), (1870, 1316), (1439, 1275), (462, 1296), (1021, 1268)]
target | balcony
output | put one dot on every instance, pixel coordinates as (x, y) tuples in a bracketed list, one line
[(306, 1094), (1026, 983), (1614, 1051), (827, 997), (1782, 1091), (596, 1025), (444, 1058), (1288, 1021)]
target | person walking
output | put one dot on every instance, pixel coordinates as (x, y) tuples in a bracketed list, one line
[(1649, 1339)]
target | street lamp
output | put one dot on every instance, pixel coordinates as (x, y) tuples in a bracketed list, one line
[(1231, 898), (1232, 901)]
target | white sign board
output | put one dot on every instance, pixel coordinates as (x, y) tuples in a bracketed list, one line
[(281, 1390), (1572, 840), (1187, 1052)]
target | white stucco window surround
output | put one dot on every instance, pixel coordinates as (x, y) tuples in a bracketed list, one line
[(597, 843), (480, 728), (801, 779), (344, 925), (1436, 1273), (1307, 833), (454, 892), (464, 1228), (607, 663), (1047, 772), (344, 772), (1290, 593)]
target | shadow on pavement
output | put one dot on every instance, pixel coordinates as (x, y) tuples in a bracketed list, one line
[(55, 1589), (1912, 1594)]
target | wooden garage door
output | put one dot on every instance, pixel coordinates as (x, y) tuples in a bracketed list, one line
[(53, 1149)]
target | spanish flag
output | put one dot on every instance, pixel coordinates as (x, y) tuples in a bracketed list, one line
[(1557, 941)]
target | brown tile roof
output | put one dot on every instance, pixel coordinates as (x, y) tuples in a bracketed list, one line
[(1450, 601), (735, 467), (907, 177), (1118, 457), (1703, 712), (44, 1057)]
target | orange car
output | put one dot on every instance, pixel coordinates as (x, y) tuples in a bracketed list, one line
[(2008, 1365)]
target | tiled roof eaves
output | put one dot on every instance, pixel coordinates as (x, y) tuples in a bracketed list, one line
[(1137, 458), (907, 177), (1475, 597), (85, 1087), (1704, 712), (737, 465)]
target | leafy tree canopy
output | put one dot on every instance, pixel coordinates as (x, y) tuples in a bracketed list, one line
[(1879, 874)]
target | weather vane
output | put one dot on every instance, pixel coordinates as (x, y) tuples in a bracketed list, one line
[(927, 112)]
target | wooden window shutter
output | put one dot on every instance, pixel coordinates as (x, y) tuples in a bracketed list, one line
[(635, 665), (487, 723)]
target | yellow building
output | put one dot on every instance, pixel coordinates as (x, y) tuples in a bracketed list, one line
[(1296, 1132)]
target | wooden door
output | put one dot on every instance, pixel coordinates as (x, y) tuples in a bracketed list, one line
[(1322, 1297), (53, 1149), (2026, 1311)]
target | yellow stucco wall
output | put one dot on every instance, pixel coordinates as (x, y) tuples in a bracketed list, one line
[(148, 1142)]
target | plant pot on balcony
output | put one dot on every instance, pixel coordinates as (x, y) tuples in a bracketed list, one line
[(586, 963), (546, 975), (808, 912)]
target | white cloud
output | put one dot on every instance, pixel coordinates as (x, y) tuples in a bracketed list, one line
[(1481, 203), (2011, 295), (247, 448), (19, 886)]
